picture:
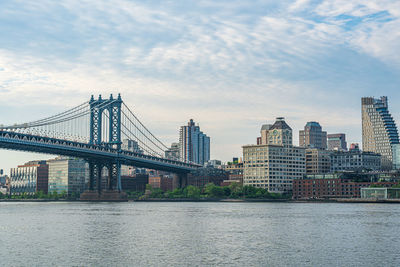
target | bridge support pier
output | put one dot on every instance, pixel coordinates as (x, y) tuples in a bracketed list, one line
[(99, 168), (110, 193), (91, 175), (180, 180)]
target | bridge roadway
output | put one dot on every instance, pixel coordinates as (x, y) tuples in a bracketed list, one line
[(39, 144)]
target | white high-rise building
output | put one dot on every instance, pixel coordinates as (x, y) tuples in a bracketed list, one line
[(274, 164), (194, 144)]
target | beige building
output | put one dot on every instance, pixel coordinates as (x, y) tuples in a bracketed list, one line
[(67, 175), (379, 131), (277, 134), (274, 165), (318, 161)]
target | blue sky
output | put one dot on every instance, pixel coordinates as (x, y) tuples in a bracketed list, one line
[(229, 65)]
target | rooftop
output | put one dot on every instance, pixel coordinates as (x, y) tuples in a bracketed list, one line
[(280, 124)]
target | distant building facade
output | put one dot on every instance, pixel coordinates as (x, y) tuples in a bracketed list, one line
[(137, 182), (68, 175), (131, 145), (215, 163), (396, 156), (263, 140), (318, 161), (173, 152), (339, 185), (380, 193), (235, 170), (312, 136), (29, 178), (203, 176), (3, 178), (194, 144), (274, 165), (355, 159), (3, 183), (165, 183), (379, 131), (337, 142)]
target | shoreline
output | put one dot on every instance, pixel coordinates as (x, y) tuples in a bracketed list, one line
[(342, 200)]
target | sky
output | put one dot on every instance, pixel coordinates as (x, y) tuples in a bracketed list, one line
[(229, 65)]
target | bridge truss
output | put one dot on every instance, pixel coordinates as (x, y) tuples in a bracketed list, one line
[(105, 132)]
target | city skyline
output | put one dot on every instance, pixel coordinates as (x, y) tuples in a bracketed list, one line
[(230, 69), (23, 157)]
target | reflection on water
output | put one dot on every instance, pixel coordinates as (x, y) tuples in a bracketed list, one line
[(198, 234)]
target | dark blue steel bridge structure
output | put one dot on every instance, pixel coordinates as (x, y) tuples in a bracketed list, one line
[(95, 131)]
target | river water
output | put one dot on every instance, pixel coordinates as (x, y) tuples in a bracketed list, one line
[(199, 234)]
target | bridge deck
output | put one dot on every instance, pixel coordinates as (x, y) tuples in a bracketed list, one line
[(32, 143)]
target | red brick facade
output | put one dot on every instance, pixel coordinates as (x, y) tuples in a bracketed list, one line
[(165, 183), (323, 188)]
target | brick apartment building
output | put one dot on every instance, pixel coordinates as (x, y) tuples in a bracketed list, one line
[(165, 183), (332, 186)]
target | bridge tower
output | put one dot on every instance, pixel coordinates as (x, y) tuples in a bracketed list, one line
[(112, 108), (97, 107)]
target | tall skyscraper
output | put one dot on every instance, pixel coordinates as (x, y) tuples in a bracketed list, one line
[(379, 131), (312, 136), (337, 142), (194, 144)]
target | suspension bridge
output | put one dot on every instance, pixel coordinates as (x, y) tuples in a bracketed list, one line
[(104, 132)]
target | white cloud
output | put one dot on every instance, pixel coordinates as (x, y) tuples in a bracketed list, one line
[(230, 68), (299, 5)]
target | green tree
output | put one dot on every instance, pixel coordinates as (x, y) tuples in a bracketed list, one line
[(376, 186), (211, 190), (149, 187), (227, 191), (63, 194), (134, 194), (40, 194), (249, 191), (236, 190), (176, 193), (191, 192), (54, 195), (156, 193), (396, 186)]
